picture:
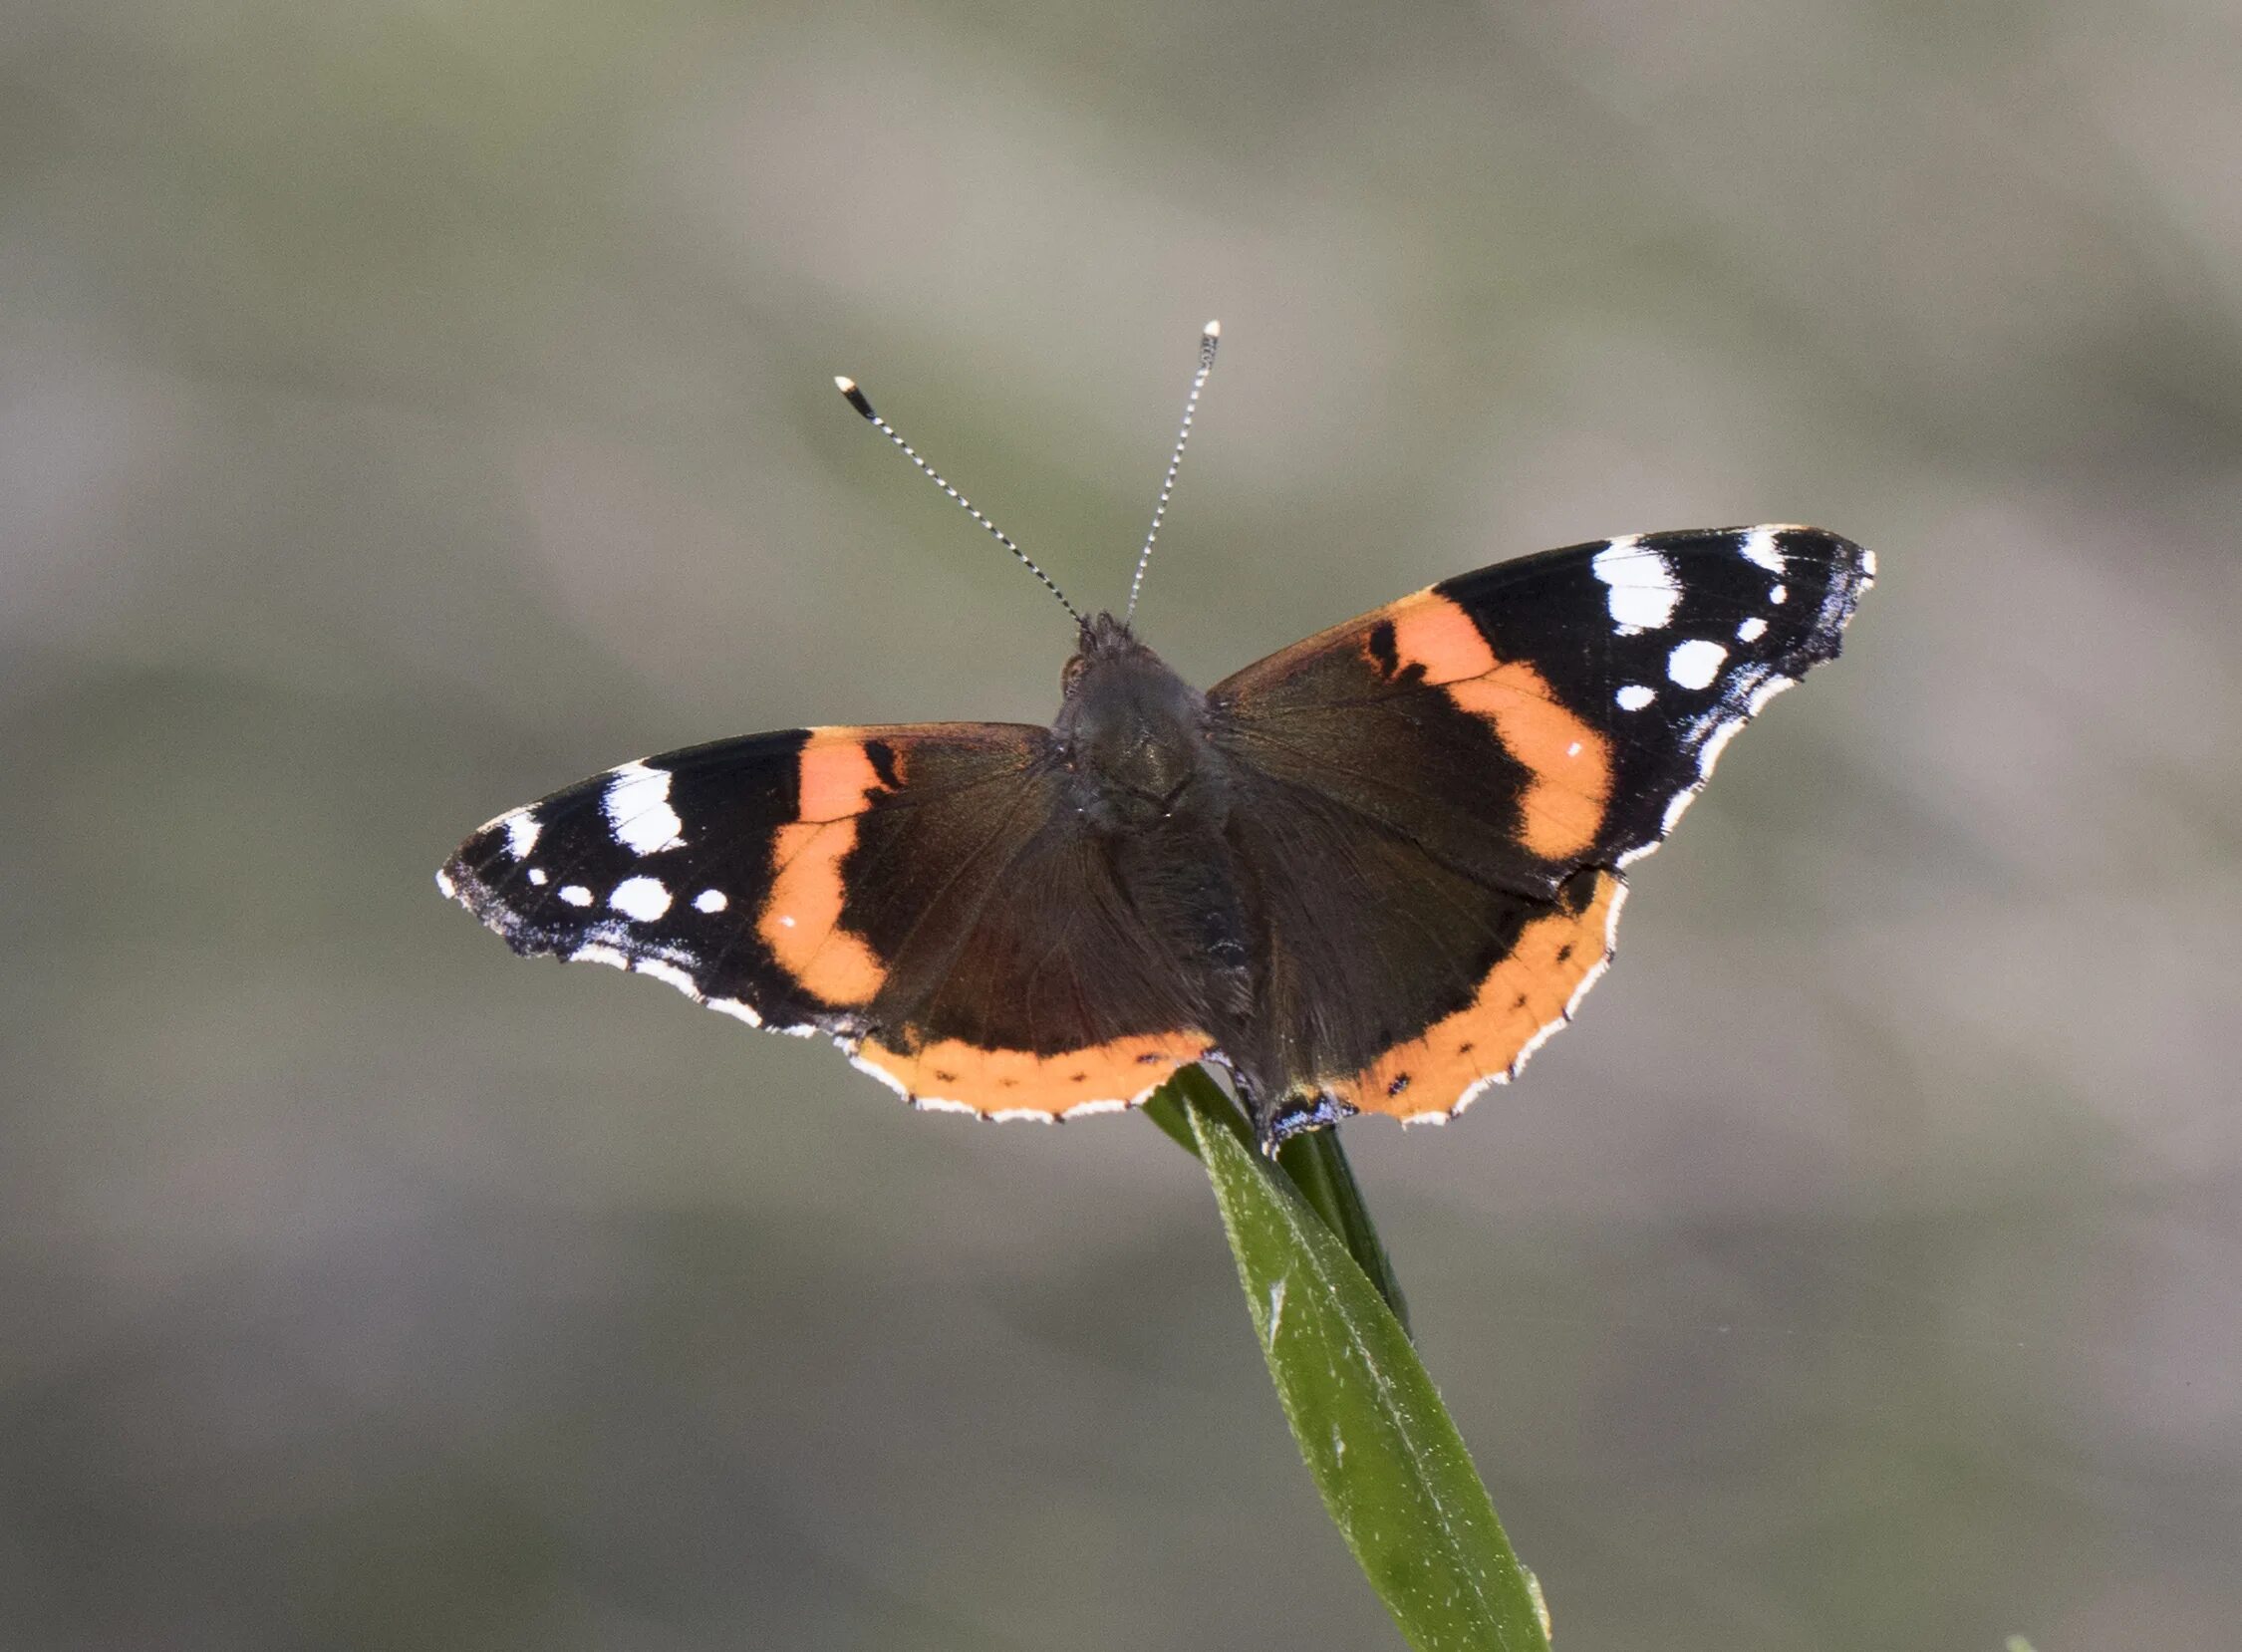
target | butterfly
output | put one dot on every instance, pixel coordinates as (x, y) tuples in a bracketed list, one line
[(1369, 874)]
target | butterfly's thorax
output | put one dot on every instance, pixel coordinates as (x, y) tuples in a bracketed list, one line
[(1132, 735), (1156, 792)]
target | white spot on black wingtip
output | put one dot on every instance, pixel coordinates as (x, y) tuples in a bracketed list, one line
[(711, 901), (537, 876), (443, 882), (522, 831), (1641, 592), (1695, 663), (1752, 630), (637, 806), (1759, 548), (576, 894), (641, 898), (1633, 697)]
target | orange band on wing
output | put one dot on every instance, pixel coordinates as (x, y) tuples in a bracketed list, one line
[(801, 916), (1567, 763), (1523, 998), (1435, 634), (837, 778), (1001, 1082)]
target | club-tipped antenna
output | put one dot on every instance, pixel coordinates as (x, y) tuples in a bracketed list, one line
[(1207, 339), (856, 399)]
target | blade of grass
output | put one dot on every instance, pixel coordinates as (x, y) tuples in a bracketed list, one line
[(1383, 1451), (1166, 1109), (1317, 1161)]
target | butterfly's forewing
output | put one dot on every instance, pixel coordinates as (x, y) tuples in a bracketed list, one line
[(915, 892), (1524, 732)]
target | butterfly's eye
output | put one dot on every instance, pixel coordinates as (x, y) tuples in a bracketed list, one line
[(1071, 674)]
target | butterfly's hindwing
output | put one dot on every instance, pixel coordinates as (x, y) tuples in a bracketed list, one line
[(1396, 984)]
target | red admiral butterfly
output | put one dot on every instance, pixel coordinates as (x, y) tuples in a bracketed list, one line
[(1369, 874)]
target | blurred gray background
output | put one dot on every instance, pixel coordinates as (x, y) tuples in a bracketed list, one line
[(407, 408)]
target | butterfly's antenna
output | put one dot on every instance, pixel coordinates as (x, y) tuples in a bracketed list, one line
[(857, 401), (1207, 343)]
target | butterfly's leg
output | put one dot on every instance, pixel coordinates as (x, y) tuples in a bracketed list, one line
[(1248, 1092), (1279, 1117), (1296, 1112)]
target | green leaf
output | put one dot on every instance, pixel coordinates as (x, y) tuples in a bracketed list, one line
[(1317, 1164), (1166, 1109), (1317, 1161), (1382, 1449)]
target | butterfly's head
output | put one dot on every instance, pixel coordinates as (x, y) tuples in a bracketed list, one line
[(1103, 640), (1130, 731)]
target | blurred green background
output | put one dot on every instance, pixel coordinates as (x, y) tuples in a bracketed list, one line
[(408, 406)]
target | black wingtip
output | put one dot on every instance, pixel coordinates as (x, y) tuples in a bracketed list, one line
[(457, 880)]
